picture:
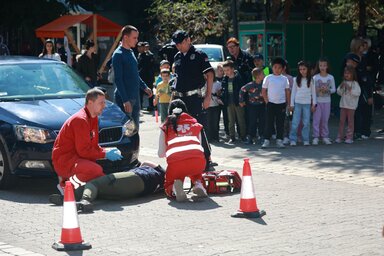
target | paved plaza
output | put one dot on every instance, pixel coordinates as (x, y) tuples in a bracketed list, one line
[(320, 200)]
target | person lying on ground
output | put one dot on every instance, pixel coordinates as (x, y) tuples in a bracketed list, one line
[(140, 181)]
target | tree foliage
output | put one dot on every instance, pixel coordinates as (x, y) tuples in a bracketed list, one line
[(198, 17), (348, 11)]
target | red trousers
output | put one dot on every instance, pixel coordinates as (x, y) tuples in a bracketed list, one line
[(83, 171), (192, 168)]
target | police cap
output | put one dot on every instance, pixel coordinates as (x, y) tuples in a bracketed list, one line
[(179, 36)]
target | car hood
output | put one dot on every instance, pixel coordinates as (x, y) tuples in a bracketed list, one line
[(52, 113)]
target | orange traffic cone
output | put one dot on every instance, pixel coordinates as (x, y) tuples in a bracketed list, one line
[(248, 205), (70, 233)]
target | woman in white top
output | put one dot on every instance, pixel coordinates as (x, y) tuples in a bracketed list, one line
[(49, 51), (303, 101)]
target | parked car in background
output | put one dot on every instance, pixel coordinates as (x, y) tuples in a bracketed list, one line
[(215, 53), (36, 97)]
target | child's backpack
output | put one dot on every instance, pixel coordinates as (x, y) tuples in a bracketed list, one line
[(224, 181)]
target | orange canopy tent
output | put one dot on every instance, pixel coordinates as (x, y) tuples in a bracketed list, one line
[(56, 28), (101, 26)]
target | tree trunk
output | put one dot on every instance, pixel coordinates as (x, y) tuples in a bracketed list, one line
[(287, 9), (275, 9), (362, 18)]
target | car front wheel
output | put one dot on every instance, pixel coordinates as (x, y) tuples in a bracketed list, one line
[(7, 180)]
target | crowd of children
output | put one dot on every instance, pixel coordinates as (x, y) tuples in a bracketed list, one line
[(282, 107), (275, 105)]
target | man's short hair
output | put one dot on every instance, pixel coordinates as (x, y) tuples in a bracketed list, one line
[(128, 29), (233, 40), (279, 61), (92, 94), (229, 63)]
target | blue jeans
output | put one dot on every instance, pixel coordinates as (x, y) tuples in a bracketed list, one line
[(301, 112)]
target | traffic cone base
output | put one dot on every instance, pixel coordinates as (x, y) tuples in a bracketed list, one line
[(249, 215), (58, 246)]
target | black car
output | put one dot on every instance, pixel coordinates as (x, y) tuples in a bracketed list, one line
[(36, 97)]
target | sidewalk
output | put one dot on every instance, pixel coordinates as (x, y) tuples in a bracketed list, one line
[(320, 200)]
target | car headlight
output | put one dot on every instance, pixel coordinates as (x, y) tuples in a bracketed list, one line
[(34, 134), (129, 128)]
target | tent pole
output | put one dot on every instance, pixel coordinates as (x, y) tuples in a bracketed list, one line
[(113, 47), (71, 41), (95, 30)]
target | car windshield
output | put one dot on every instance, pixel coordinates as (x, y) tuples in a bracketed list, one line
[(39, 80), (214, 54)]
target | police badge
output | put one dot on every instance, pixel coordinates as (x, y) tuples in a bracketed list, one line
[(192, 56)]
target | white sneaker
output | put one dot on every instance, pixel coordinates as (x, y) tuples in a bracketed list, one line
[(338, 140), (293, 143), (179, 191), (306, 143), (364, 137), (199, 189), (286, 141), (279, 144), (327, 141), (265, 144), (315, 141), (348, 141)]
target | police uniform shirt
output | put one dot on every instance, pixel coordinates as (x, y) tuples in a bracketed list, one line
[(190, 69)]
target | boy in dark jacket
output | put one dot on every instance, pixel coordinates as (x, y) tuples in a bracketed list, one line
[(231, 85), (255, 105)]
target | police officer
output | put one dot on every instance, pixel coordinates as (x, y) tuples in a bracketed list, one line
[(193, 71), (242, 59)]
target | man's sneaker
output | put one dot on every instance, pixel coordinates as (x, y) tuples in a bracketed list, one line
[(286, 141), (179, 191), (338, 140), (199, 190), (232, 141), (327, 141), (279, 143), (315, 141), (306, 143), (56, 199), (212, 163), (84, 206), (364, 137), (265, 144), (248, 140), (293, 143), (348, 141)]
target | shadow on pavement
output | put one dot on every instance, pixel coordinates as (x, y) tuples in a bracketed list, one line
[(30, 190), (197, 205), (109, 205)]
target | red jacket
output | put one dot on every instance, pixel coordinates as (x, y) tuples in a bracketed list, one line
[(184, 144), (78, 138)]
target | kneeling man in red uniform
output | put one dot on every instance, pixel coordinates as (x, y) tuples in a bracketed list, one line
[(180, 143), (76, 147)]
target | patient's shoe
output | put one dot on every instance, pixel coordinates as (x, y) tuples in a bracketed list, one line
[(56, 199), (84, 206)]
